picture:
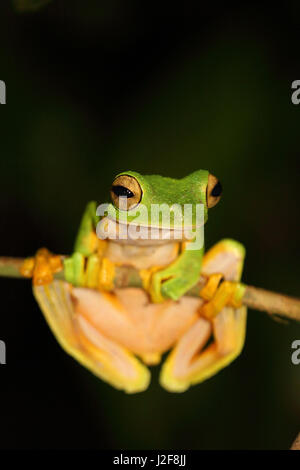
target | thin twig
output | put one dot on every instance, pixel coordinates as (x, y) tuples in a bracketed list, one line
[(125, 276), (296, 443)]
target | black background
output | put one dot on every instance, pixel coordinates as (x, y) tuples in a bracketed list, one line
[(95, 88)]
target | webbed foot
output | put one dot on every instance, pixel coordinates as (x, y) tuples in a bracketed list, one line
[(218, 294), (41, 267)]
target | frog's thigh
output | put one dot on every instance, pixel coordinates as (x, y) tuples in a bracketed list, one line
[(226, 257), (190, 362), (79, 338)]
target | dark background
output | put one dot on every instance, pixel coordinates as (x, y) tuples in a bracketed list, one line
[(97, 87)]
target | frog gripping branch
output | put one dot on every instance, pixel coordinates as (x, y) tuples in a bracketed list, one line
[(170, 296)]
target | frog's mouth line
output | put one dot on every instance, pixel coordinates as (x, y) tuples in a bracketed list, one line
[(140, 234)]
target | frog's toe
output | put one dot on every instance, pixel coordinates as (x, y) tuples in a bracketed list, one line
[(41, 267), (74, 269), (91, 271)]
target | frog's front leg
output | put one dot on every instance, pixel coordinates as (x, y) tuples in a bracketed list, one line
[(44, 264), (191, 361), (81, 269), (88, 266), (175, 280)]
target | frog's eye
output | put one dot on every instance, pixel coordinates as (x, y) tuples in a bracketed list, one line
[(126, 192), (213, 191)]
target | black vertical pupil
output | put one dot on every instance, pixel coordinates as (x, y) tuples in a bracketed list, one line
[(121, 191), (217, 190)]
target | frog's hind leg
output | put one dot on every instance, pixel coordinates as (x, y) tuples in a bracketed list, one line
[(102, 356), (210, 344)]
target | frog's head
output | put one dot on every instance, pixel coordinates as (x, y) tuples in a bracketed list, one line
[(136, 197)]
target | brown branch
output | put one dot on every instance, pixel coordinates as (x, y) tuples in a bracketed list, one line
[(125, 276), (9, 267), (296, 443), (272, 303)]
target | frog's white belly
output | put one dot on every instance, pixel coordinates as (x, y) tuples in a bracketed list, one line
[(141, 256), (128, 318)]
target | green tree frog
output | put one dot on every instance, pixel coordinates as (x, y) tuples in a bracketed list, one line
[(117, 332)]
